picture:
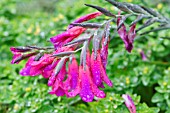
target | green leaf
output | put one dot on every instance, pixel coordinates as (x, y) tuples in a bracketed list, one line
[(157, 98)]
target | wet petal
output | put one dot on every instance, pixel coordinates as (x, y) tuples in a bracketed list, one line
[(76, 91), (122, 31), (104, 74), (54, 87), (29, 70), (60, 92), (105, 77), (104, 53), (44, 60), (97, 92), (62, 72), (128, 39), (85, 92), (48, 70), (95, 68), (15, 57), (73, 72), (51, 79), (73, 32)]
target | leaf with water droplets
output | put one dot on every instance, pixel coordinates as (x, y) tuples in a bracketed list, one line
[(96, 41), (151, 11), (83, 54), (147, 23), (107, 32), (156, 29), (38, 56), (119, 5), (102, 10), (139, 18), (123, 19), (61, 54), (60, 65), (135, 8), (76, 41), (87, 25)]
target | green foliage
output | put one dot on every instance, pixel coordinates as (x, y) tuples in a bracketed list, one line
[(22, 24)]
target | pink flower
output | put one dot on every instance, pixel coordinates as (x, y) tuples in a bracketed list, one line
[(56, 81), (86, 91), (34, 68), (58, 88), (144, 58), (73, 74), (48, 70), (128, 38), (67, 36), (86, 87), (86, 18), (19, 54), (19, 49), (104, 53), (98, 71), (129, 103)]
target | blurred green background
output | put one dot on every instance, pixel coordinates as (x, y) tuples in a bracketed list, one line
[(33, 22)]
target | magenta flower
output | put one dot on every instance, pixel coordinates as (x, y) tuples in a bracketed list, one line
[(104, 53), (85, 92), (144, 58), (73, 74), (20, 54), (86, 18), (48, 70), (86, 87), (67, 36), (129, 103), (98, 71), (33, 68), (128, 38), (58, 88), (56, 81), (19, 49)]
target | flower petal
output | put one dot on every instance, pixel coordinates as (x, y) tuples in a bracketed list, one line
[(104, 53), (73, 72), (86, 18), (95, 68), (51, 79), (85, 92), (73, 32), (48, 70), (129, 103)]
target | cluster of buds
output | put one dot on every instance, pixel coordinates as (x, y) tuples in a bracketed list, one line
[(59, 65)]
